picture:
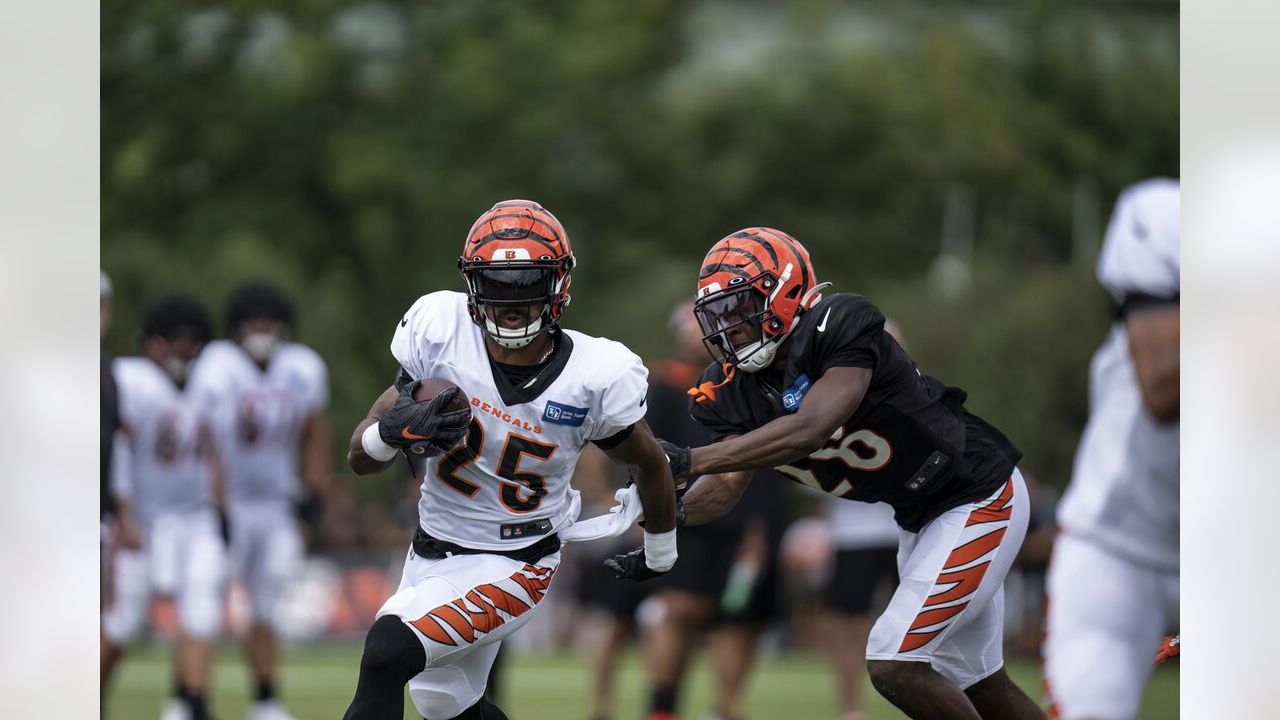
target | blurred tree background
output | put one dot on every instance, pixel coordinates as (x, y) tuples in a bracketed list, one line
[(954, 161)]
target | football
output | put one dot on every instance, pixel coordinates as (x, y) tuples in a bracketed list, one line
[(431, 387)]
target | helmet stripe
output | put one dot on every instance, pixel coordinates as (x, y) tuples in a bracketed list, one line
[(721, 267), (773, 255), (805, 280), (741, 251), (531, 237), (553, 235)]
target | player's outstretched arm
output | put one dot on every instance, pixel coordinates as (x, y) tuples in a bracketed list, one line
[(1153, 344), (713, 496), (829, 403), (357, 457)]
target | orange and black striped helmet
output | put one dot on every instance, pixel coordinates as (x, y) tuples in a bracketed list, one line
[(516, 260), (753, 285)]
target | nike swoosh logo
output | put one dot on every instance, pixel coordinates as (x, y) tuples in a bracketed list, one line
[(404, 433), (404, 321), (823, 325)]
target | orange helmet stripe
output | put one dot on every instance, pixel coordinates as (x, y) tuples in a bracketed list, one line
[(793, 246), (531, 223)]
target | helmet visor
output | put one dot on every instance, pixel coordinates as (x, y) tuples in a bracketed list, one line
[(730, 322), (512, 285)]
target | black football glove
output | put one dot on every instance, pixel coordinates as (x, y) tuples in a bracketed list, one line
[(631, 566), (424, 428), (678, 458)]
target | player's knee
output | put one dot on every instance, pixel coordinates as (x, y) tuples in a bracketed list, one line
[(892, 678), (391, 648), (994, 687)]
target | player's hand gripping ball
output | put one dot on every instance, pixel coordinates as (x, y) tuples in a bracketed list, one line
[(430, 417)]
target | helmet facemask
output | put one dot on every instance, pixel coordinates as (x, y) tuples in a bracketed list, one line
[(515, 301), (735, 324)]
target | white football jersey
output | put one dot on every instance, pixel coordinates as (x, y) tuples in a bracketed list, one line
[(170, 441), (1124, 487), (507, 485), (259, 414)]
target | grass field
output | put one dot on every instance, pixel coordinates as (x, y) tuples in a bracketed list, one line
[(318, 683)]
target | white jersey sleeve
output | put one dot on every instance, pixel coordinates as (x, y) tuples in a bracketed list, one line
[(1141, 253), (622, 395), (425, 330)]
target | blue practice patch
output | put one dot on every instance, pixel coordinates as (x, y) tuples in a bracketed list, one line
[(792, 396), (558, 414)]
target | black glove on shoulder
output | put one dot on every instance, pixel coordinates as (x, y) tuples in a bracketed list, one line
[(424, 428), (631, 566)]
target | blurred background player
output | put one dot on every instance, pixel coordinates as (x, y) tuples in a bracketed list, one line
[(1113, 576), (109, 413), (176, 490), (268, 395), (724, 587), (865, 539), (118, 527)]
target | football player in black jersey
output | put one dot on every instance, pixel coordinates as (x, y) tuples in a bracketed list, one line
[(817, 389)]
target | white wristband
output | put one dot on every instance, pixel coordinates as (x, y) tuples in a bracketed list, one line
[(373, 446), (660, 550)]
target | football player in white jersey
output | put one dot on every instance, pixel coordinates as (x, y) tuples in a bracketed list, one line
[(176, 491), (1113, 577), (495, 479), (268, 396)]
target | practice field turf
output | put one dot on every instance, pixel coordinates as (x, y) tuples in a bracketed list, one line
[(319, 681)]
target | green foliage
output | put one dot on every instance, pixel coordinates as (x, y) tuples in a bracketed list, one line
[(1020, 345), (343, 149)]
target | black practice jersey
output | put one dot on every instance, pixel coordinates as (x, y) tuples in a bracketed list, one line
[(910, 443)]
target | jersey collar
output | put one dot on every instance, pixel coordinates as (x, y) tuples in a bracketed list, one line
[(532, 388)]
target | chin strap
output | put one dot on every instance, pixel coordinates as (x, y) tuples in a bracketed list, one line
[(706, 392)]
